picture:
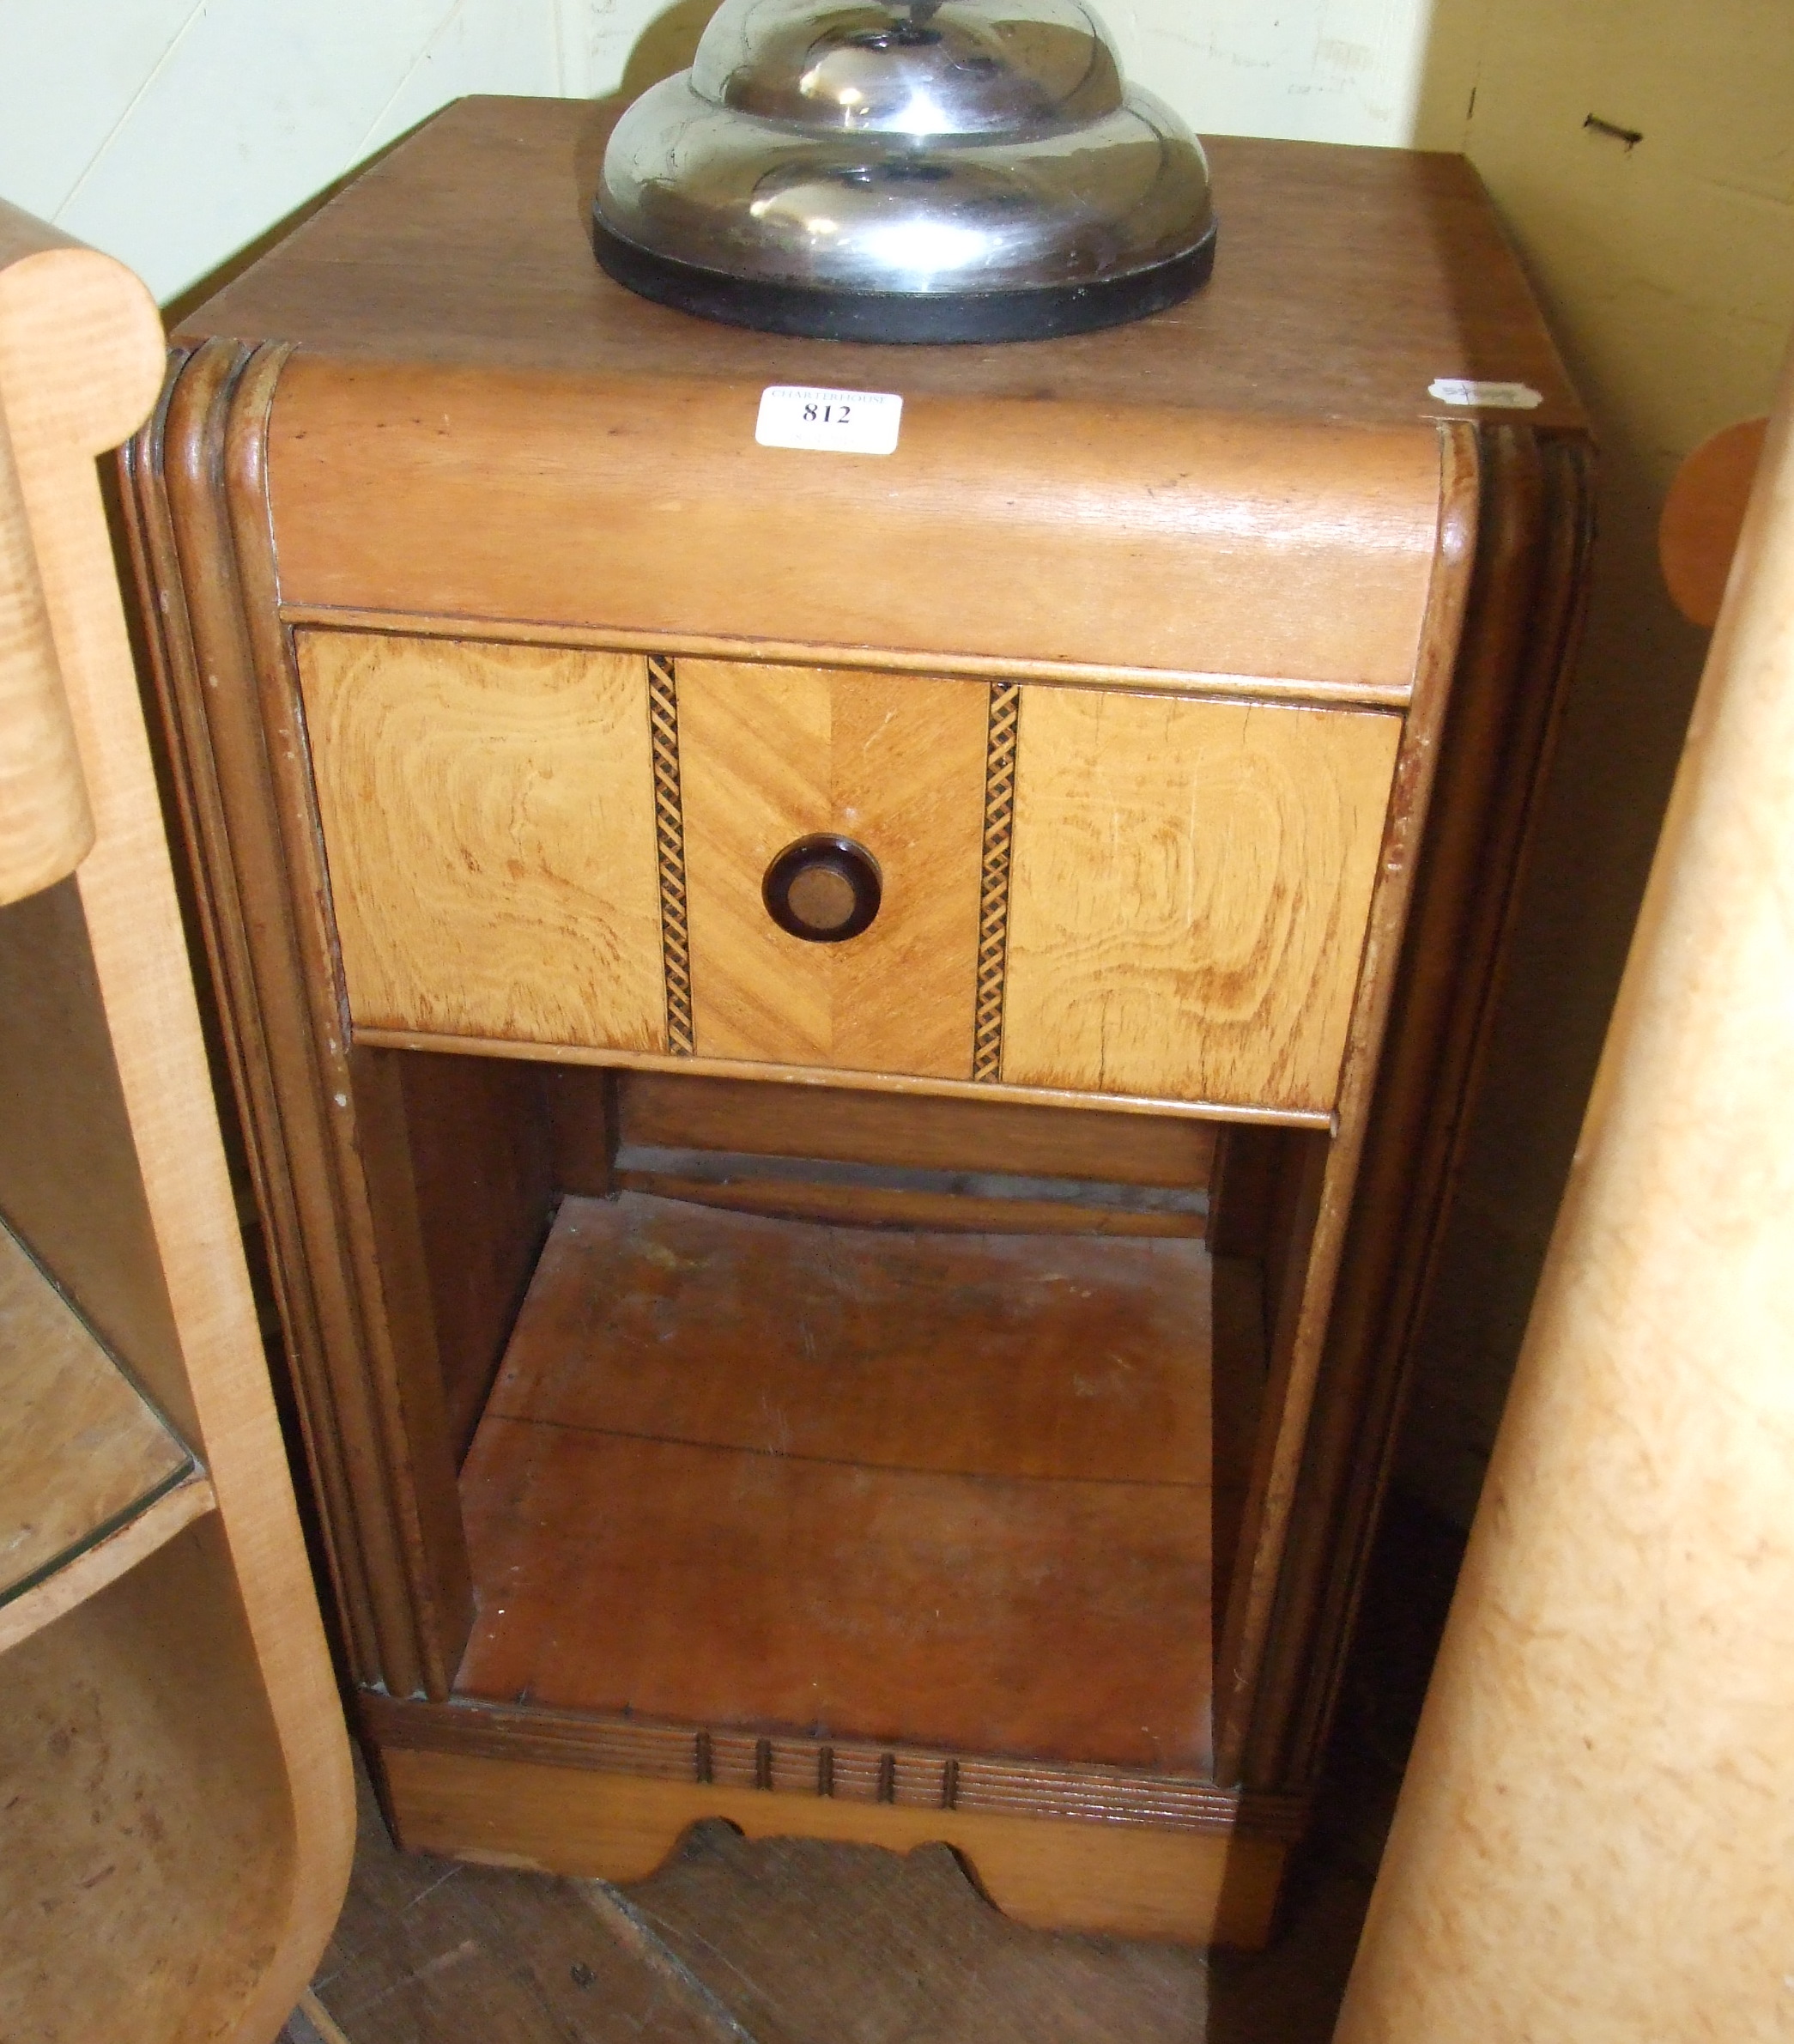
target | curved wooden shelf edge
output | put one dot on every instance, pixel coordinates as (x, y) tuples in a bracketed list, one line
[(95, 318), (1703, 514), (82, 362), (85, 1575)]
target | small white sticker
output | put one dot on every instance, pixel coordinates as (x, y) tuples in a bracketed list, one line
[(846, 422), (1491, 397)]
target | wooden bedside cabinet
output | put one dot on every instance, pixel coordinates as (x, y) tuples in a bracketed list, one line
[(854, 1063)]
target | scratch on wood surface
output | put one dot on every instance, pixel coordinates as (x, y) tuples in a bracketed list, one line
[(320, 2019), (468, 1948), (633, 1931)]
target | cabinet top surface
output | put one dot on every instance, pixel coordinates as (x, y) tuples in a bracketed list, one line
[(1348, 280)]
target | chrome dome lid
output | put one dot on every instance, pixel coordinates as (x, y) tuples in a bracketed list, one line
[(906, 170)]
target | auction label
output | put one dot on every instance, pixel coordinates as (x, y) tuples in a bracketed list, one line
[(843, 421)]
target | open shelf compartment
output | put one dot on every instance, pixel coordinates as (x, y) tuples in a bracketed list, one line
[(938, 1490)]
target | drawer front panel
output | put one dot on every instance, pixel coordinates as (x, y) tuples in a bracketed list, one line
[(770, 755), (488, 821), (1191, 889)]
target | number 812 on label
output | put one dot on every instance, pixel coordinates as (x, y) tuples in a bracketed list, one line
[(834, 422)]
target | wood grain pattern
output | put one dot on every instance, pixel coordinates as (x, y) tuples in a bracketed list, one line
[(769, 755), (897, 1085), (1213, 543), (82, 1451), (173, 1774), (84, 1571), (1557, 1859), (1300, 372), (473, 231), (477, 1134), (674, 642), (488, 819), (800, 1941), (922, 1133), (1283, 1501), (1187, 1886), (70, 1181), (1191, 893), (491, 199), (46, 826), (785, 1441), (1078, 1359), (151, 1862)]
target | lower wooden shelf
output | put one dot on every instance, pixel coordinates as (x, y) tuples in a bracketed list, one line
[(914, 1530), (772, 1476)]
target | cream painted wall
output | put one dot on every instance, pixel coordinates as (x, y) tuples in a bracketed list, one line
[(1667, 271), (173, 132)]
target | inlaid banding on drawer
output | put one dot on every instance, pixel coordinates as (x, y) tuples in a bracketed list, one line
[(675, 951), (993, 912)]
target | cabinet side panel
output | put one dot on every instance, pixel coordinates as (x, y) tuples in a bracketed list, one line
[(488, 819), (1519, 639), (1191, 889)]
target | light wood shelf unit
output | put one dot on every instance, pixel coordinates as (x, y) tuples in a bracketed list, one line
[(175, 1810)]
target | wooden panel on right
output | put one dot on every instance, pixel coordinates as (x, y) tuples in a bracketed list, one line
[(1192, 885)]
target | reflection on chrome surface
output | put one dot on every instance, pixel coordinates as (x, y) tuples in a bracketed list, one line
[(905, 146)]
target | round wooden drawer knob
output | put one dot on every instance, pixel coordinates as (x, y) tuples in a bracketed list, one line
[(824, 889)]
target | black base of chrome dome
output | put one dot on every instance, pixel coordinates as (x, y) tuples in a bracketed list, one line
[(1038, 313)]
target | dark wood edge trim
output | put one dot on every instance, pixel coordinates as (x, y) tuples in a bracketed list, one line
[(795, 652), (675, 952), (229, 700), (383, 1267), (848, 1770), (1000, 751), (1520, 642), (846, 1081), (195, 394), (1277, 1498)]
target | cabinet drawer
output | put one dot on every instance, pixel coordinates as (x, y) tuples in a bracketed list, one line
[(555, 847), (1191, 893)]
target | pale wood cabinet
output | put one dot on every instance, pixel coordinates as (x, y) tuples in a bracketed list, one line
[(853, 1064)]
